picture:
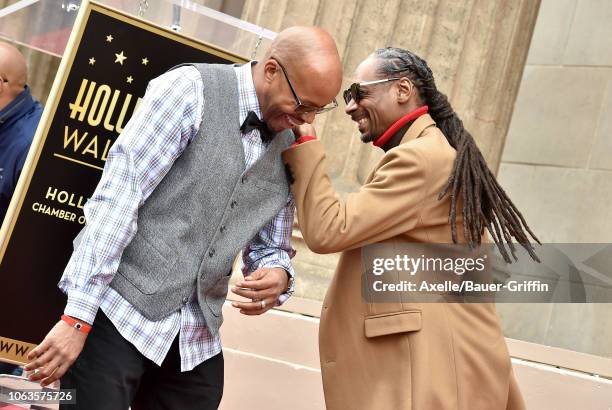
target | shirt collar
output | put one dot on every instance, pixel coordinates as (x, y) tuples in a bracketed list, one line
[(247, 97), (16, 108)]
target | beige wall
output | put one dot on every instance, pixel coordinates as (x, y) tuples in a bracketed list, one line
[(476, 49), (557, 161)]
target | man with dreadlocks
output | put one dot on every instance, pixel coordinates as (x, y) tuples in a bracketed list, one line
[(431, 186)]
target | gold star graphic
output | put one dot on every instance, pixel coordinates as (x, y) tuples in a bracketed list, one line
[(130, 79), (109, 38), (92, 61), (120, 58), (145, 61)]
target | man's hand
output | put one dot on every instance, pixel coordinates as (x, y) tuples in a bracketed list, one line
[(264, 285), (303, 130), (51, 359)]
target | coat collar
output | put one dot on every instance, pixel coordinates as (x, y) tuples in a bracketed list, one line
[(18, 107), (417, 128)]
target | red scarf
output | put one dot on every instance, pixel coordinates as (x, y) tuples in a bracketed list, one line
[(383, 139)]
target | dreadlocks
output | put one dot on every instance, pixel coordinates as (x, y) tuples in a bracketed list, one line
[(485, 203)]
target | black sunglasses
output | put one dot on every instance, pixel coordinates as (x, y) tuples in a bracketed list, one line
[(304, 108), (354, 92)]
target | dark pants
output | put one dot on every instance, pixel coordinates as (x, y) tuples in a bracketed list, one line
[(112, 374), (7, 368)]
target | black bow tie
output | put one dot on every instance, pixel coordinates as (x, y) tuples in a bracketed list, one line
[(252, 122)]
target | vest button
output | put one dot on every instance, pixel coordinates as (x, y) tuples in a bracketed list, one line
[(222, 228), (211, 253), (244, 179), (233, 204), (185, 300)]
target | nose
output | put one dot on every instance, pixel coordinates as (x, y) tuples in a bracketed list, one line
[(350, 107)]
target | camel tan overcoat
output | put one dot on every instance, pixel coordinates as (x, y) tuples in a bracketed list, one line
[(397, 356)]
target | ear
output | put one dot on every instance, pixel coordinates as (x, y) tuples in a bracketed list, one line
[(405, 90), (270, 70)]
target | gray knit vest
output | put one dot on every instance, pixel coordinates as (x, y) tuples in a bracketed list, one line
[(204, 211)]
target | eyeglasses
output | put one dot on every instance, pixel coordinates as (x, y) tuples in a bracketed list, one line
[(304, 108), (354, 92)]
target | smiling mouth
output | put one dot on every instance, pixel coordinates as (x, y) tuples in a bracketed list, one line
[(361, 122)]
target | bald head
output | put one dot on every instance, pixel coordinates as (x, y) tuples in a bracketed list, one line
[(310, 51), (12, 69), (306, 46), (300, 69)]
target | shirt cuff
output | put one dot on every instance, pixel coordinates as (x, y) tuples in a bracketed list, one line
[(83, 305), (288, 267), (303, 139)]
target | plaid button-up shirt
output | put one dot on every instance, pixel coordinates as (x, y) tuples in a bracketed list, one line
[(169, 116)]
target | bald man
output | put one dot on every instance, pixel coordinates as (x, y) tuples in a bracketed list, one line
[(195, 177), (19, 117)]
